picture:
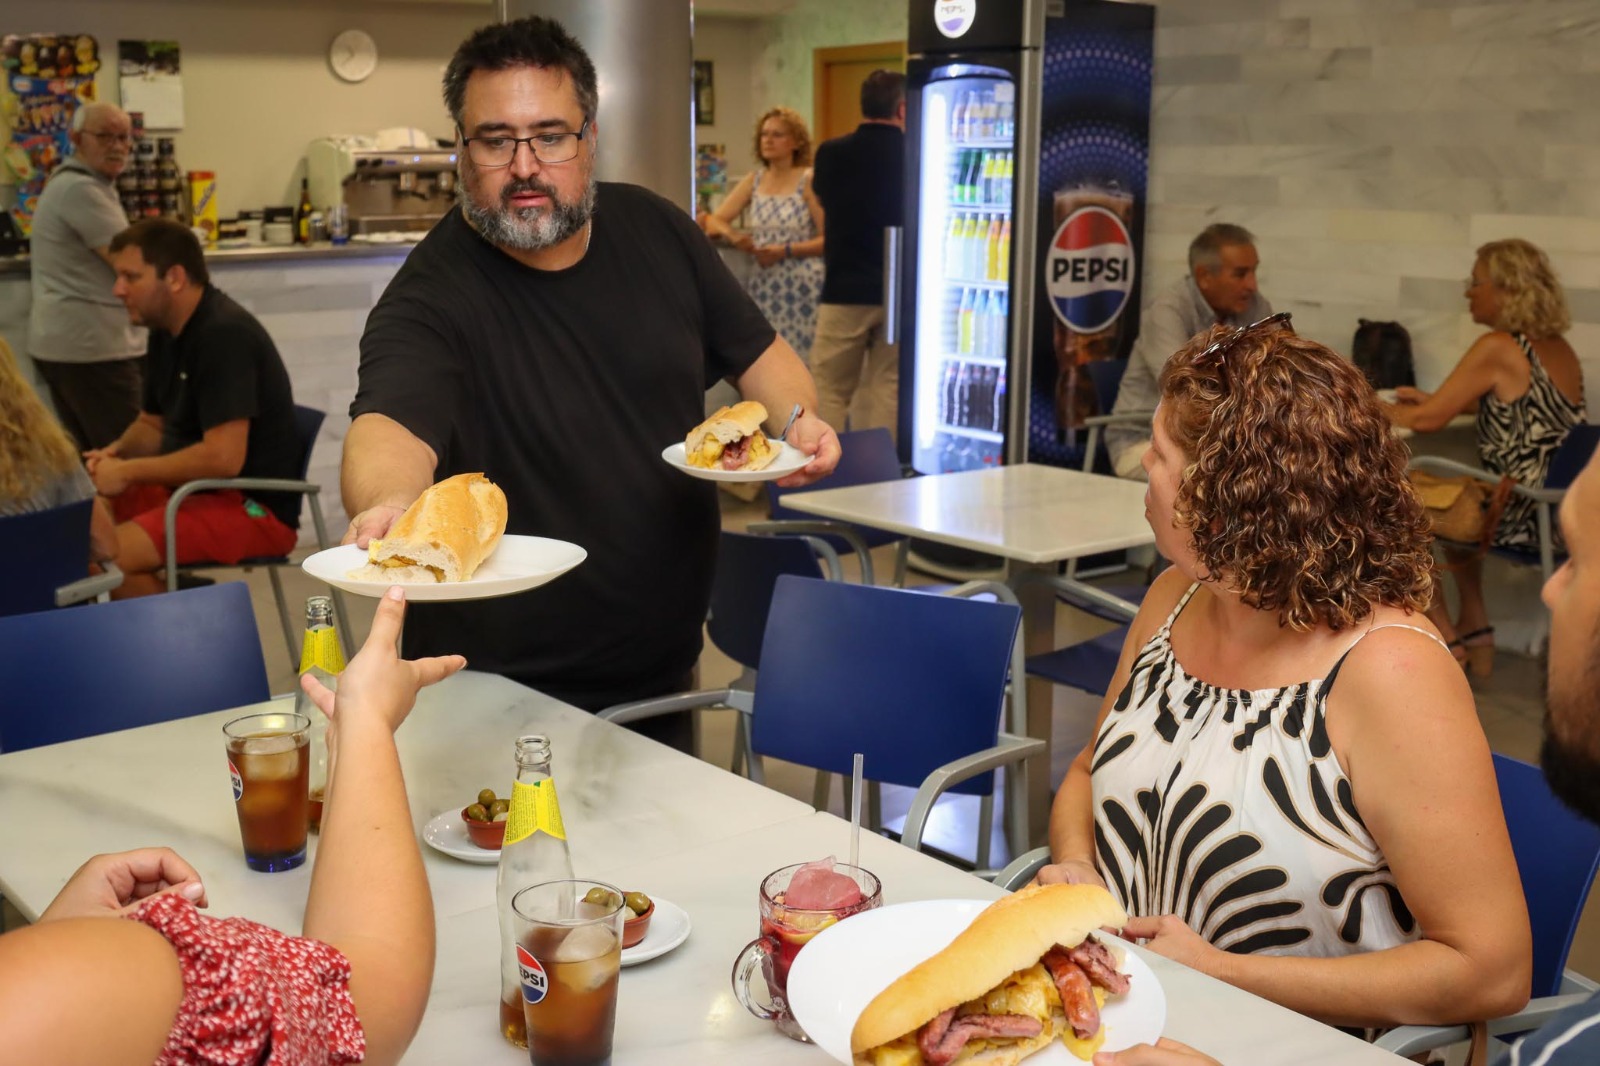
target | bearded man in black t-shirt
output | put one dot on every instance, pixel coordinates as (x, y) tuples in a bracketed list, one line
[(556, 333)]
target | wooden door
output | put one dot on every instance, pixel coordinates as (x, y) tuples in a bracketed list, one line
[(837, 74)]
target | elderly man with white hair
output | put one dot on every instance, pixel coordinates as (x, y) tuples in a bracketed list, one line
[(79, 334)]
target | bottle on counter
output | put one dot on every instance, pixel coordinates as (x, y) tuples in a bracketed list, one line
[(535, 851), (302, 214), (323, 659)]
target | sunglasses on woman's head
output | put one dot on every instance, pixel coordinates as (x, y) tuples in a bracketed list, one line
[(1220, 348)]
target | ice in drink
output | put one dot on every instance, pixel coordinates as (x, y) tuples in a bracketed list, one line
[(572, 1023), (269, 766)]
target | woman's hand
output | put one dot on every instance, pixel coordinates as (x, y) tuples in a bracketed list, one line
[(107, 885), (378, 683), (1170, 936), (769, 254), (1164, 1053), (1070, 872), (1405, 394)]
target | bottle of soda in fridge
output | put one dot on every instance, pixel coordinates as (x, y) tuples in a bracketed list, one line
[(535, 850), (322, 658)]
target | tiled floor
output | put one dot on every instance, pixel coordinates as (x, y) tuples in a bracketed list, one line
[(1510, 706)]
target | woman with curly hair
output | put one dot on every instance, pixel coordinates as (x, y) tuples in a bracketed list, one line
[(785, 235), (1526, 384), (39, 465), (1288, 787)]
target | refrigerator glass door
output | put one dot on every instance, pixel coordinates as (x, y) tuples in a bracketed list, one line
[(963, 296)]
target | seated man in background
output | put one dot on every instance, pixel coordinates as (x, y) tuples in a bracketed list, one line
[(217, 404), (1220, 288)]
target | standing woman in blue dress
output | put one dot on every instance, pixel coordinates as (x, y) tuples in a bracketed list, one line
[(784, 232)]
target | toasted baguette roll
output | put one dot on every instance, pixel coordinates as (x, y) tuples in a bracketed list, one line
[(443, 536), (705, 444), (994, 964)]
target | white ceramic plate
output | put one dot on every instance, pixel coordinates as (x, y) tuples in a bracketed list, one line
[(845, 965), (516, 565), (669, 927), (788, 461), (448, 833)]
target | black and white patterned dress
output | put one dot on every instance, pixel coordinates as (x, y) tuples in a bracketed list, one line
[(1516, 439), (1229, 808)]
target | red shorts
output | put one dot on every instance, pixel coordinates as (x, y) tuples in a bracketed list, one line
[(220, 526)]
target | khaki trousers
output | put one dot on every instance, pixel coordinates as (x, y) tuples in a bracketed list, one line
[(857, 372)]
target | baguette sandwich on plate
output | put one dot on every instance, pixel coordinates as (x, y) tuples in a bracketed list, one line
[(731, 439), (443, 536), (1024, 973)]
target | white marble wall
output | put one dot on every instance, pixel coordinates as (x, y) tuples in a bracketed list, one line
[(1372, 145)]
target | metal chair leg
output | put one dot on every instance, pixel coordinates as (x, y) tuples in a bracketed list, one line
[(874, 818), (820, 792), (283, 619), (985, 830)]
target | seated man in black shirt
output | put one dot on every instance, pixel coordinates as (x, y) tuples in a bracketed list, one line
[(216, 404), (557, 333)]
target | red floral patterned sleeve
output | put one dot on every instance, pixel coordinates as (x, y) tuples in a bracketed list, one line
[(253, 995)]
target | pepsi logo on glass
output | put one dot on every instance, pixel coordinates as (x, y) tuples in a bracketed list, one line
[(954, 17), (534, 981), (1089, 269)]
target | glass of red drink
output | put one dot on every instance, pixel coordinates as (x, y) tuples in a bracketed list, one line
[(269, 765), (569, 953), (785, 929)]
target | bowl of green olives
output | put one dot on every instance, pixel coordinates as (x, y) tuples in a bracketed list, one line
[(486, 820), (639, 909)]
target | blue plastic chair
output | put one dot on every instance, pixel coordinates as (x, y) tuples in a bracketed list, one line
[(1088, 665), (112, 666), (867, 457), (915, 683), (48, 556)]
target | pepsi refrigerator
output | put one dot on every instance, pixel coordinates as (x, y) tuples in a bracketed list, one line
[(1027, 125)]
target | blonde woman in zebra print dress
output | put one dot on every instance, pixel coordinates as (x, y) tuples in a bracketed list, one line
[(1526, 385), (1288, 787)]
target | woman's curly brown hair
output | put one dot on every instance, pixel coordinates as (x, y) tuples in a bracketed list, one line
[(1295, 492)]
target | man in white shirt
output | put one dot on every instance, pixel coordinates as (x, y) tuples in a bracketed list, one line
[(1219, 288), (79, 335)]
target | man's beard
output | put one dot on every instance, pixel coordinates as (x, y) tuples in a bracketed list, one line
[(528, 229), (1572, 769)]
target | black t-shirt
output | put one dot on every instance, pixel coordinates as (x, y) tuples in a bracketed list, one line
[(221, 368), (563, 387), (860, 181)]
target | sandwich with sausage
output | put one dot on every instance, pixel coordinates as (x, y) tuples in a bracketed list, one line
[(443, 536), (1023, 974), (731, 439)]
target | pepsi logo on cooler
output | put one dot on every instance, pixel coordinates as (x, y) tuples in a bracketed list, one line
[(1089, 269), (531, 973), (954, 17)]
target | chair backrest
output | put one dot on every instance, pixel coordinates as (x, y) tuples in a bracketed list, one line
[(910, 681), (741, 593), (44, 550), (97, 669), (1557, 854), (867, 456), (307, 423), (1106, 375), (1572, 456)]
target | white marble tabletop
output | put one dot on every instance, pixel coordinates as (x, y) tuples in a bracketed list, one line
[(1028, 513)]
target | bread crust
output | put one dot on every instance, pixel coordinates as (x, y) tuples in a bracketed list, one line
[(452, 528), (727, 424), (1011, 934)]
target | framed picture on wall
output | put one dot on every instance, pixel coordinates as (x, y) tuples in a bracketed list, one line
[(705, 96)]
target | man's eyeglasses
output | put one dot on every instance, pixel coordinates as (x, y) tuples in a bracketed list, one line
[(110, 138), (1219, 349), (546, 147)]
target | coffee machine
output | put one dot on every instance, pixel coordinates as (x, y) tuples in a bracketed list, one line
[(399, 190)]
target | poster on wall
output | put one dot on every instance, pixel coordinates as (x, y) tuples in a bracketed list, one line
[(47, 77), (705, 95), (151, 82), (710, 174)]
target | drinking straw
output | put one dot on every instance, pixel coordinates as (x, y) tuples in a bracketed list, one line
[(855, 812)]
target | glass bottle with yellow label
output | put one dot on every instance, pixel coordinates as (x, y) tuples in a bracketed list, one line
[(322, 658), (535, 851)]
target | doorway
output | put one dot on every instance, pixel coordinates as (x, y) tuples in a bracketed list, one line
[(836, 77)]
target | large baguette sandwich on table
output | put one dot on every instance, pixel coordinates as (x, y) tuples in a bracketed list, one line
[(731, 439), (444, 535), (1022, 974)]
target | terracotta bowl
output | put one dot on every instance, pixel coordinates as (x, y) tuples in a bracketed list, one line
[(487, 835), (634, 929)]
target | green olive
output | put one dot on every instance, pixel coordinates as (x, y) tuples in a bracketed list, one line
[(486, 798), (601, 897), (499, 806), (475, 813), (637, 902)]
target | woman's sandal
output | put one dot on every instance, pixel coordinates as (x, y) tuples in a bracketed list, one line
[(1479, 646)]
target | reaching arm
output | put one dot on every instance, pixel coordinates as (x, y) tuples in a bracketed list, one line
[(385, 468), (778, 380), (1488, 363), (220, 453), (719, 223)]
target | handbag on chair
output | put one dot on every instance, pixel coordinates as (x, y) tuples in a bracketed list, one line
[(1462, 509)]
